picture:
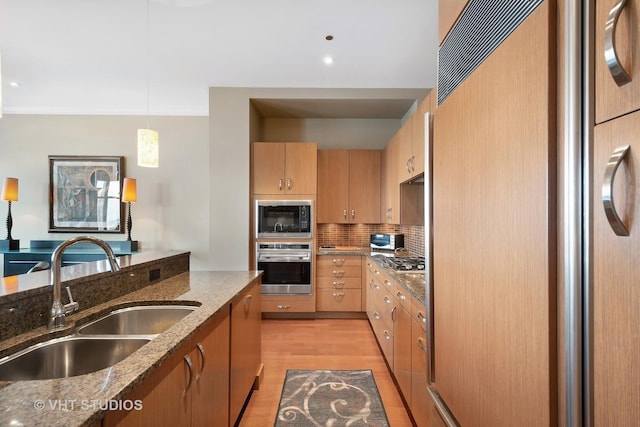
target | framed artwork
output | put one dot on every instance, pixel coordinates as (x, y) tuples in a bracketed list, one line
[(85, 194)]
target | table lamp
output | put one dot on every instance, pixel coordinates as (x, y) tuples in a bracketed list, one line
[(129, 195), (10, 194)]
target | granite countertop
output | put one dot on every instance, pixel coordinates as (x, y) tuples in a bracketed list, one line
[(412, 282), (76, 401)]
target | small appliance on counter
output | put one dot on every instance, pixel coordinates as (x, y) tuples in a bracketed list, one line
[(387, 241)]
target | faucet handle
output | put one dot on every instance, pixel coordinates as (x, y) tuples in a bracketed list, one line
[(72, 306)]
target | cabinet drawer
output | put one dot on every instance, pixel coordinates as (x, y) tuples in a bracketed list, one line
[(339, 261), (419, 313), (339, 283), (402, 297), (288, 306), (339, 300), (341, 271)]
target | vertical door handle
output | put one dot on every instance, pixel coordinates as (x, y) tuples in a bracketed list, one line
[(187, 360), (353, 214), (345, 214), (289, 184), (619, 74), (607, 191), (280, 184), (203, 358)]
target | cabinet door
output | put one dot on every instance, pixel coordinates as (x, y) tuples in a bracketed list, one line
[(405, 168), (245, 348), (616, 279), (427, 105), (611, 99), (333, 186), (210, 390), (164, 396), (268, 168), (494, 235), (402, 348), (419, 398), (364, 186), (390, 186), (301, 168)]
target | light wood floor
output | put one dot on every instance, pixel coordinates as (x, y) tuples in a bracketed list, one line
[(318, 344)]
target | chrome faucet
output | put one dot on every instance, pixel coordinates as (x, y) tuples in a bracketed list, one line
[(59, 310)]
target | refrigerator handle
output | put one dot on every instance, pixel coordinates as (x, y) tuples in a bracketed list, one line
[(607, 191), (442, 409)]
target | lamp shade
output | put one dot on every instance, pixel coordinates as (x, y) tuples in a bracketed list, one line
[(10, 189), (148, 147), (129, 193)]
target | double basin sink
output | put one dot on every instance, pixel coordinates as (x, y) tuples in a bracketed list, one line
[(97, 345)]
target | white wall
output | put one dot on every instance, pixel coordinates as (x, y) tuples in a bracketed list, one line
[(172, 211)]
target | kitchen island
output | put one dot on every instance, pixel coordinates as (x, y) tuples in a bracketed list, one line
[(84, 400)]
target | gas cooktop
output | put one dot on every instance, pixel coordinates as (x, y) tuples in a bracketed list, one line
[(406, 264)]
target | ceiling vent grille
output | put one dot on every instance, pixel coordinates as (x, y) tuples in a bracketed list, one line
[(482, 26)]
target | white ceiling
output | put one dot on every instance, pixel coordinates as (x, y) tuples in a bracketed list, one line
[(90, 56)]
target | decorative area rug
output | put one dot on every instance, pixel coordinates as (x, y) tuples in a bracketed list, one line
[(330, 399)]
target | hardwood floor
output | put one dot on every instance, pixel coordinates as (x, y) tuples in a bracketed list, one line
[(319, 344)]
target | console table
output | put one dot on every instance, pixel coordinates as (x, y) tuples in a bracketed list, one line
[(21, 260)]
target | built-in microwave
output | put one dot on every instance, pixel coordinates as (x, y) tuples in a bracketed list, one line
[(284, 219)]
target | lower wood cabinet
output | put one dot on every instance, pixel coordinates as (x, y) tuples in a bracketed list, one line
[(339, 283), (190, 389), (288, 304), (245, 347), (420, 399)]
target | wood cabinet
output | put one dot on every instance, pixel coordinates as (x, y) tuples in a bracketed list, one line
[(349, 186), (448, 12), (339, 283), (390, 193), (420, 400), (288, 304), (612, 98), (245, 347), (402, 345), (616, 282), (494, 235), (407, 155), (191, 388), (287, 168)]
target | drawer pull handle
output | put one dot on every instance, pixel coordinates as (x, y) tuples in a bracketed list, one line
[(607, 191), (399, 295), (338, 284), (421, 317), (619, 74), (387, 300), (338, 294), (248, 299), (338, 261), (422, 344), (388, 283), (386, 334), (283, 307), (376, 315), (338, 273)]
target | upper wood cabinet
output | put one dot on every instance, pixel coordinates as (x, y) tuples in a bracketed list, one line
[(407, 154), (284, 168), (349, 186), (390, 194), (617, 96)]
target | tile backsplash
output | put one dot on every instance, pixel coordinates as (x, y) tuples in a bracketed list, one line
[(358, 235)]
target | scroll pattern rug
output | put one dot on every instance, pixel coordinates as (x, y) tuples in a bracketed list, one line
[(330, 399)]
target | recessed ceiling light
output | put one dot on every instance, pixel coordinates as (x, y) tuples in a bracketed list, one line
[(14, 84), (328, 60), (329, 37)]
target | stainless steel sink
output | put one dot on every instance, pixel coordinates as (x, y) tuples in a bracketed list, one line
[(67, 357), (138, 320)]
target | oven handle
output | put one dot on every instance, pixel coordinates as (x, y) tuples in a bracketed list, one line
[(284, 257)]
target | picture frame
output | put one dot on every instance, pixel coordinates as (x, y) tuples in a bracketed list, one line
[(84, 194)]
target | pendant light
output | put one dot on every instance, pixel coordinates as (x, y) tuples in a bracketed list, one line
[(148, 141)]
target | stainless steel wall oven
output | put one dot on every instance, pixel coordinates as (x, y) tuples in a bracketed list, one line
[(287, 267)]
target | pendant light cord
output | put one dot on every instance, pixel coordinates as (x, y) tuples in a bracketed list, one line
[(148, 55)]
